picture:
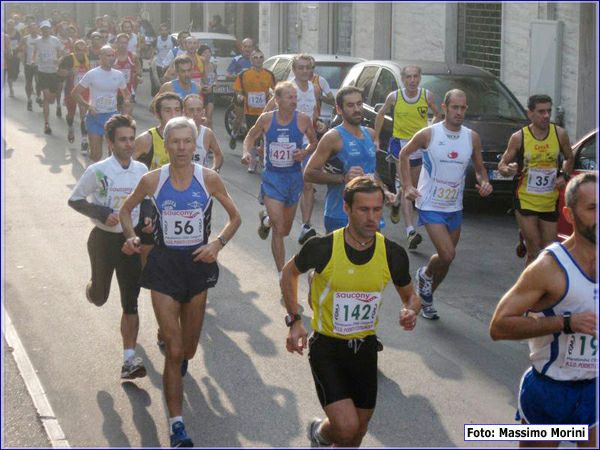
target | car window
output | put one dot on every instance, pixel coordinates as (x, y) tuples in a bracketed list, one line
[(365, 81), (352, 76), (486, 96), (586, 157), (386, 83), (334, 73), (281, 69), (221, 47), (270, 63)]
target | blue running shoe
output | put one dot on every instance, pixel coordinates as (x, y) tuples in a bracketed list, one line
[(424, 286), (184, 366), (179, 438)]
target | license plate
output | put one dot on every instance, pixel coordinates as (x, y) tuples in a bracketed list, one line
[(496, 175), (223, 89)]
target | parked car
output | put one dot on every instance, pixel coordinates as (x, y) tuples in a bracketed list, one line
[(585, 152), (224, 48), (331, 67), (494, 112)]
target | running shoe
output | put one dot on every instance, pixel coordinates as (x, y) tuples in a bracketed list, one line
[(429, 312), (71, 135), (47, 129), (424, 286), (306, 234), (311, 431), (414, 239), (134, 368), (58, 112), (379, 344), (252, 167), (29, 105), (179, 437), (263, 230), (521, 249), (184, 367), (84, 147), (232, 143), (395, 214)]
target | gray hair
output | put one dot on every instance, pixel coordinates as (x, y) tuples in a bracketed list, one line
[(572, 189), (180, 122)]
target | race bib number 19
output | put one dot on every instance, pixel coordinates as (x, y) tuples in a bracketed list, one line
[(581, 352), (354, 312)]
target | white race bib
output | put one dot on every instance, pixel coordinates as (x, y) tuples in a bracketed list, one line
[(107, 103), (281, 154), (445, 195), (257, 99), (541, 181), (47, 55), (581, 352), (354, 312), (182, 228)]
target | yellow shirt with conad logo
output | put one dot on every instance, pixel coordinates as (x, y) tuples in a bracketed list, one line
[(346, 297), (160, 157), (536, 187), (409, 117)]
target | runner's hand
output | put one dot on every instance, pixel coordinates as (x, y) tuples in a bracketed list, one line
[(299, 155), (390, 198), (411, 193), (484, 188), (131, 246), (513, 168), (148, 226), (296, 340), (247, 159), (355, 171), (207, 253), (408, 319), (584, 322), (112, 220)]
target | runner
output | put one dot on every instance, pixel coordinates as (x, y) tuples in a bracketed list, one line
[(554, 304), (46, 54), (533, 155), (343, 346), (410, 106), (104, 83), (281, 186), (183, 84), (29, 67), (448, 147), (128, 64), (108, 182), (208, 82), (182, 265), (73, 67), (94, 50), (175, 52), (164, 45), (13, 60), (344, 152), (239, 63), (197, 70), (253, 86), (207, 142)]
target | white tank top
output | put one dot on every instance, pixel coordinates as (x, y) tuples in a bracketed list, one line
[(445, 161), (306, 99), (568, 356), (200, 153)]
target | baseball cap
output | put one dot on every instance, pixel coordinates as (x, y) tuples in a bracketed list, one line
[(45, 23)]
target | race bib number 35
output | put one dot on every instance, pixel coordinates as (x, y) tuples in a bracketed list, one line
[(182, 228), (581, 352), (354, 312), (541, 181)]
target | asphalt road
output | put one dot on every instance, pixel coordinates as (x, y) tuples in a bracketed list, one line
[(243, 388)]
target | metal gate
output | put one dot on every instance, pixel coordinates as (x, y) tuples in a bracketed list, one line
[(480, 35)]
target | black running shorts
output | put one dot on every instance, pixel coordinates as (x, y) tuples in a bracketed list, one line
[(49, 81), (551, 216), (174, 273), (344, 369)]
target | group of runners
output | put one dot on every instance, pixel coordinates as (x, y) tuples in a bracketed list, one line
[(151, 202)]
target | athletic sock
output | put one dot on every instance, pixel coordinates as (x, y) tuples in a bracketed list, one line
[(306, 226), (173, 420), (324, 442), (128, 354), (409, 230), (266, 221)]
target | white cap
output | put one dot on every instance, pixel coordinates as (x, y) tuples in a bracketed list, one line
[(45, 23)]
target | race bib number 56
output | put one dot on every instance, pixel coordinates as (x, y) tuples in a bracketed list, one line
[(354, 312), (182, 228)]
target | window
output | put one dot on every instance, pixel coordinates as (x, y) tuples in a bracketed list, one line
[(269, 64), (342, 28), (365, 81), (334, 73), (281, 69), (480, 35), (386, 83), (586, 157)]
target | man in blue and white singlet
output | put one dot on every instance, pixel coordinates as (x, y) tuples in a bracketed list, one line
[(554, 304), (448, 147), (284, 130), (344, 152), (182, 265), (183, 85)]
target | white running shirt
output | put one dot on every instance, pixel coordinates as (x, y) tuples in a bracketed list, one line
[(200, 152), (47, 54), (104, 86), (445, 161)]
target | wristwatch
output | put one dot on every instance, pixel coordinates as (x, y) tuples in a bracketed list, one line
[(222, 240), (291, 318), (567, 323)]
